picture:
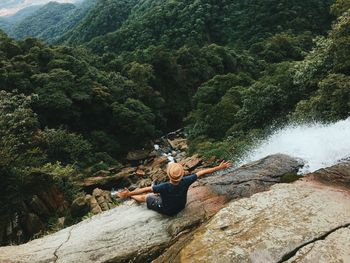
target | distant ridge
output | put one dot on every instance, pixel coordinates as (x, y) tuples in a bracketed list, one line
[(51, 21)]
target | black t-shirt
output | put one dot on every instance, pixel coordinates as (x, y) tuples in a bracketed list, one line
[(174, 197)]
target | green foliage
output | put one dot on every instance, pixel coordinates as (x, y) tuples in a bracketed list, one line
[(51, 174), (104, 142), (282, 47), (326, 72), (177, 74), (207, 148), (228, 70), (339, 7), (106, 16), (177, 23), (23, 171), (72, 92), (18, 125), (134, 118), (290, 177), (51, 21), (66, 147), (232, 102), (330, 102)]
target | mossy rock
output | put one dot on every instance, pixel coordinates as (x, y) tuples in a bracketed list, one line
[(290, 177)]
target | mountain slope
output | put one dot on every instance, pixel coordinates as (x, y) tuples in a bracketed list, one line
[(51, 21), (23, 13), (106, 16), (4, 24), (7, 22), (175, 23)]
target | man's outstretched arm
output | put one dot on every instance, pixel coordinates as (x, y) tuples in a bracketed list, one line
[(126, 193), (221, 166)]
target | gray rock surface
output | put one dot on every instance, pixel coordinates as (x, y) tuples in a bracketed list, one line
[(131, 233), (303, 218), (334, 248)]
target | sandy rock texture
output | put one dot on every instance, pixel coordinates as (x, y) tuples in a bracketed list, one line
[(307, 221)]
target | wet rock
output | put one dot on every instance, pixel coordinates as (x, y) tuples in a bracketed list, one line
[(101, 173), (159, 162), (337, 175), (79, 207), (94, 207), (121, 178), (61, 221), (179, 144), (96, 181), (132, 233), (103, 199), (144, 183), (140, 170), (114, 169), (38, 206), (11, 229), (137, 155), (54, 200), (33, 224), (42, 205), (191, 162), (158, 175)]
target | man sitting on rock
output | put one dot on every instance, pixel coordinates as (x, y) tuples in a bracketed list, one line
[(173, 194)]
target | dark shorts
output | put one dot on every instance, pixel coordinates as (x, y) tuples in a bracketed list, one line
[(154, 202)]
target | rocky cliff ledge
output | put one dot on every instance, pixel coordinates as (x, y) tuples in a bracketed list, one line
[(307, 221), (131, 233), (226, 220)]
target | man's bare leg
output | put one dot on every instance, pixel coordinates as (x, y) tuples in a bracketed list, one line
[(139, 198)]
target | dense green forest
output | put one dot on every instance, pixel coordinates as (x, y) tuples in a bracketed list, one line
[(7, 22), (126, 72), (49, 22), (175, 23)]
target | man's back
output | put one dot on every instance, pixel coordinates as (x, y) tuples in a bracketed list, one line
[(174, 196)]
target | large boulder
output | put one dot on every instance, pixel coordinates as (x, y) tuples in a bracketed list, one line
[(121, 179), (132, 233), (307, 221), (137, 155)]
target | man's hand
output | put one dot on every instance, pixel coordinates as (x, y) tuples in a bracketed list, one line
[(224, 165), (124, 194), (221, 166)]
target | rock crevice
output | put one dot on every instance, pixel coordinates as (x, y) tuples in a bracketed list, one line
[(55, 253), (292, 253)]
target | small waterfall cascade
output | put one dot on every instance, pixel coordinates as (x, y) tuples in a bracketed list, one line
[(319, 145)]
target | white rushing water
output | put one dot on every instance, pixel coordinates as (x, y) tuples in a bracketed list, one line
[(319, 145)]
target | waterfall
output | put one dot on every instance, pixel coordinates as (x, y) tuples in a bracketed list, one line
[(319, 145)]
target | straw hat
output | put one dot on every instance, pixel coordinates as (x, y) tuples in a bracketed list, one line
[(175, 171)]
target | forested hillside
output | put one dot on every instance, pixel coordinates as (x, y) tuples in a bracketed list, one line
[(7, 22), (176, 23), (126, 72), (49, 22), (23, 13), (106, 16)]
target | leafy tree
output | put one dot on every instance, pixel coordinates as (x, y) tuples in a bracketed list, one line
[(21, 154), (135, 118), (177, 23), (330, 102), (106, 16), (66, 147)]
